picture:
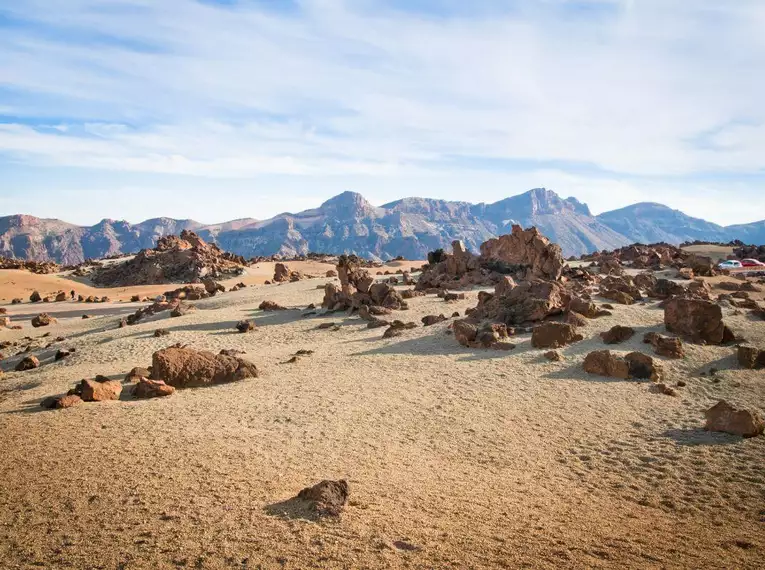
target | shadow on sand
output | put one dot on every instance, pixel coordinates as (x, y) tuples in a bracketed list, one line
[(293, 509)]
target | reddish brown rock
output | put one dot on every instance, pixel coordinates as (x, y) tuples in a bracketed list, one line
[(553, 356), (617, 334), (575, 319), (554, 335), (696, 319), (671, 347), (465, 332), (93, 391), (529, 301), (60, 402), (136, 374), (28, 363), (525, 248), (182, 309), (643, 366), (433, 319), (271, 306), (726, 418), (606, 363), (326, 498), (43, 320), (35, 297), (151, 389), (750, 357), (186, 367)]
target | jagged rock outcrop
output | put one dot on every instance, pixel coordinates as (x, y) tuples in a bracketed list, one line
[(525, 248), (176, 259)]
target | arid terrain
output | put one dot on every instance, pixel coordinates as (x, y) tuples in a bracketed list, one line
[(456, 457)]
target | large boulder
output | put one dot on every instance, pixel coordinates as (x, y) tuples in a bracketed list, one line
[(554, 335), (726, 418), (529, 301), (606, 363), (186, 367), (696, 319), (525, 248), (632, 365)]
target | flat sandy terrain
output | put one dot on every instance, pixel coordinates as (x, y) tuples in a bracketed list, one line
[(456, 457), (20, 284)]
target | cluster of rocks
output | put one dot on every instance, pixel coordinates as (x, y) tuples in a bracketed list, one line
[(654, 256), (750, 252), (282, 274), (39, 267), (172, 368), (523, 254), (186, 259), (358, 288)]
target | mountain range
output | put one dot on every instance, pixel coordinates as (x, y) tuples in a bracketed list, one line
[(348, 223)]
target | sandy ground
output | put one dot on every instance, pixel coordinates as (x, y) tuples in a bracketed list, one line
[(20, 284), (456, 458)]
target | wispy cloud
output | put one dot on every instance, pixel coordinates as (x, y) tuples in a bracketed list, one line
[(650, 95)]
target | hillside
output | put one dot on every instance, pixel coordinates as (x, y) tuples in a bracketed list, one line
[(348, 223)]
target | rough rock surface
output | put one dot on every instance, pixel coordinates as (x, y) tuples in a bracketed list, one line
[(186, 367), (529, 301), (750, 357), (554, 335), (151, 389), (95, 391), (176, 259), (27, 363), (42, 320), (326, 498), (617, 334), (728, 419), (669, 346), (528, 248), (696, 319)]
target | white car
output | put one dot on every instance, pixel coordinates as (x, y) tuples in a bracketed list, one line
[(730, 264)]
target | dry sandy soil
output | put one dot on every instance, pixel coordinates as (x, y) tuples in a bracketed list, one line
[(456, 457), (20, 284)]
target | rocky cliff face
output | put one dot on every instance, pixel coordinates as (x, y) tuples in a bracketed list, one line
[(348, 223)]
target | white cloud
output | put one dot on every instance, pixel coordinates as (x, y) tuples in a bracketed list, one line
[(651, 91)]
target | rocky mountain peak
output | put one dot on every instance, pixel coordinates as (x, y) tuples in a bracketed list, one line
[(348, 205)]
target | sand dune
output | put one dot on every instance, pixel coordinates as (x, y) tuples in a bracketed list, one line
[(456, 457)]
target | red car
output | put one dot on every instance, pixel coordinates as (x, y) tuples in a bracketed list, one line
[(752, 263)]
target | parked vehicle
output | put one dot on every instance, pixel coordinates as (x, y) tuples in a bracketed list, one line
[(752, 263), (730, 264)]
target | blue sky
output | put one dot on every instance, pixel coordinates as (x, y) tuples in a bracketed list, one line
[(221, 109)]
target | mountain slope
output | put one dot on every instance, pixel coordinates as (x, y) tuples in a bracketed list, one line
[(348, 223), (648, 222)]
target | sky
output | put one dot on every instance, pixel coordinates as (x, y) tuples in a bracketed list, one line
[(222, 109)]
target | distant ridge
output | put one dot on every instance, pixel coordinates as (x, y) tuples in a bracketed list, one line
[(348, 223)]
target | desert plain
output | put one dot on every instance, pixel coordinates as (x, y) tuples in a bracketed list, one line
[(455, 457)]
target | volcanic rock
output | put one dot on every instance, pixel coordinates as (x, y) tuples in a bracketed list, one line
[(726, 418), (617, 334), (186, 367), (554, 335)]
